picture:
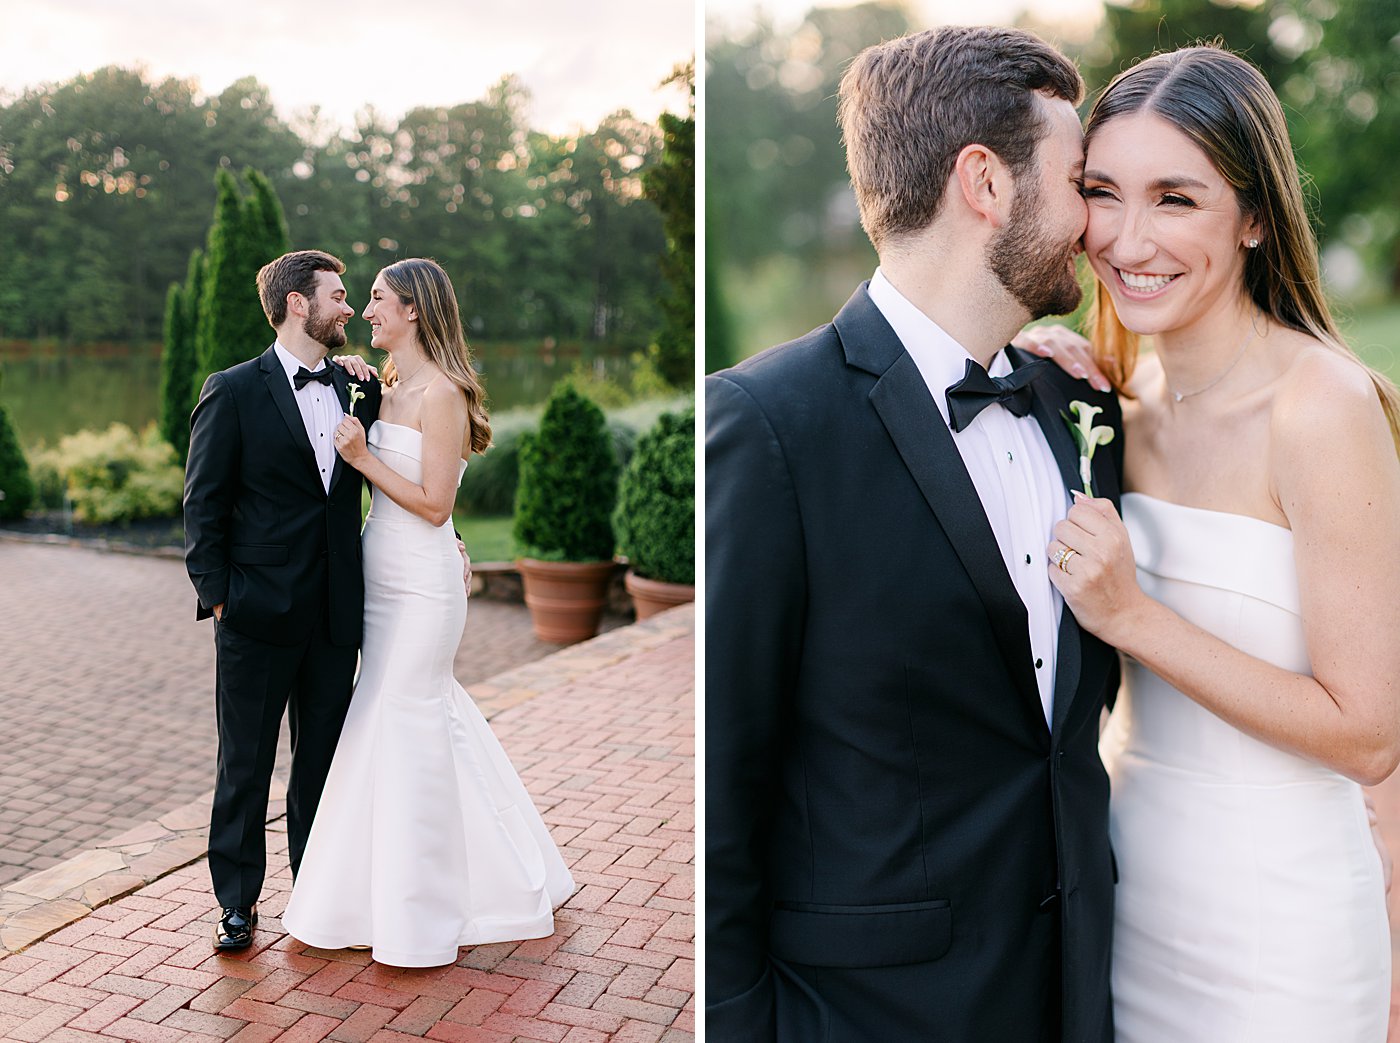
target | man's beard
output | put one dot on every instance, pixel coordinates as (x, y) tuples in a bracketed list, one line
[(323, 329), (1035, 268)]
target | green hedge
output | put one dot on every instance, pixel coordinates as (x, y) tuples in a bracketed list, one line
[(112, 476), (655, 519), (568, 482)]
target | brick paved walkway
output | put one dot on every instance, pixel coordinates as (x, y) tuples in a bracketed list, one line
[(107, 694), (603, 735)]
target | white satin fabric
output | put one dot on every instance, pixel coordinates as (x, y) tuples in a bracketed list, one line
[(425, 838), (1250, 904)]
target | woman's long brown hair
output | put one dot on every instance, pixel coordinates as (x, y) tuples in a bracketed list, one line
[(422, 283)]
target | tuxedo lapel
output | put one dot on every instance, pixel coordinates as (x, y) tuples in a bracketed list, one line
[(925, 445), (1048, 403), (275, 377)]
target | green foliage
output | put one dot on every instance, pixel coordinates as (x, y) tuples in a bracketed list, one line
[(568, 482), (177, 360), (115, 475), (655, 518), (246, 234), (671, 186), (775, 171), (720, 350), (16, 483), (105, 187), (267, 224)]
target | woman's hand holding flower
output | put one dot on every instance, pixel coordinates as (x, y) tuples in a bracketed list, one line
[(1099, 580), (350, 442)]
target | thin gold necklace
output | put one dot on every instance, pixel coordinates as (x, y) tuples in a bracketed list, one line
[(405, 381), (1183, 395)]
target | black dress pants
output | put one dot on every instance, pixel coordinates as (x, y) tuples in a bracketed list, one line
[(255, 684)]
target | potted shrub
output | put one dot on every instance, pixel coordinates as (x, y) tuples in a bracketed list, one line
[(563, 517), (655, 519)]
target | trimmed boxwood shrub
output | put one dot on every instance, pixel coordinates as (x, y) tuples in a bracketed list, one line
[(568, 482), (655, 519)]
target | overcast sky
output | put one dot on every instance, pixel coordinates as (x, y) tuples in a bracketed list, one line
[(926, 12), (580, 61)]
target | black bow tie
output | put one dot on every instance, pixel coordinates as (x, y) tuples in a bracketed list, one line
[(304, 376), (976, 391)]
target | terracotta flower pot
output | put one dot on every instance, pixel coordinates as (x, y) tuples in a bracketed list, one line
[(650, 596), (566, 598)]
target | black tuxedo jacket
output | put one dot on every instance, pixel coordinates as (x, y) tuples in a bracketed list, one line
[(262, 535), (898, 844)]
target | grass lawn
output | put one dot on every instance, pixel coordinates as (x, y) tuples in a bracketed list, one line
[(1375, 334), (487, 539)]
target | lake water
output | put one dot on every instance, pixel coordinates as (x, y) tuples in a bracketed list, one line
[(50, 392)]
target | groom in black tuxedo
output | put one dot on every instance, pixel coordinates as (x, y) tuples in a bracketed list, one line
[(272, 545), (907, 820)]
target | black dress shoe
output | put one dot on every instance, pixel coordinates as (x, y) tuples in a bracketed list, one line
[(234, 930)]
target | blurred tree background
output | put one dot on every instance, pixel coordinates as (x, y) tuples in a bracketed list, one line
[(785, 247), (106, 185)]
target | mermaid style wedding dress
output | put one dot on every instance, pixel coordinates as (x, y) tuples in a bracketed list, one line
[(425, 838), (1250, 904)]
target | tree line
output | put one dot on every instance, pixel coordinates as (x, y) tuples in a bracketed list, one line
[(107, 184)]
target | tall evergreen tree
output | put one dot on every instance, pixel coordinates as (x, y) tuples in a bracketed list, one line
[(671, 186), (16, 483), (231, 326), (265, 216), (177, 361)]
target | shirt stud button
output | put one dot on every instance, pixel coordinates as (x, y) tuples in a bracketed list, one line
[(1039, 663), (1028, 559)]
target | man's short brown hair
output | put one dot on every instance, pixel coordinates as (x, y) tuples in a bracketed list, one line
[(910, 105), (293, 272)]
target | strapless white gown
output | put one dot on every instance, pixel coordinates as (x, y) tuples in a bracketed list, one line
[(1250, 903), (425, 838)]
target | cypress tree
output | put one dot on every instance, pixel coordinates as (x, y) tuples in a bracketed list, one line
[(245, 235), (671, 186), (177, 361), (265, 217), (16, 483)]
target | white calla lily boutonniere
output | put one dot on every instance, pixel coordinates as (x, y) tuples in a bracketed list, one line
[(1087, 437), (355, 395)]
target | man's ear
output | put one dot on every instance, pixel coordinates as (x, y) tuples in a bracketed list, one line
[(985, 182), (297, 305)]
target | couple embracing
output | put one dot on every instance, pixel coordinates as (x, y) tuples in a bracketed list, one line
[(408, 831), (933, 557)]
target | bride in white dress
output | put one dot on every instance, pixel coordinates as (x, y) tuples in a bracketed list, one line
[(1259, 622), (425, 839)]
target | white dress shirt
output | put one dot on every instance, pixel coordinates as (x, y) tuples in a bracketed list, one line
[(1011, 466), (321, 412)]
